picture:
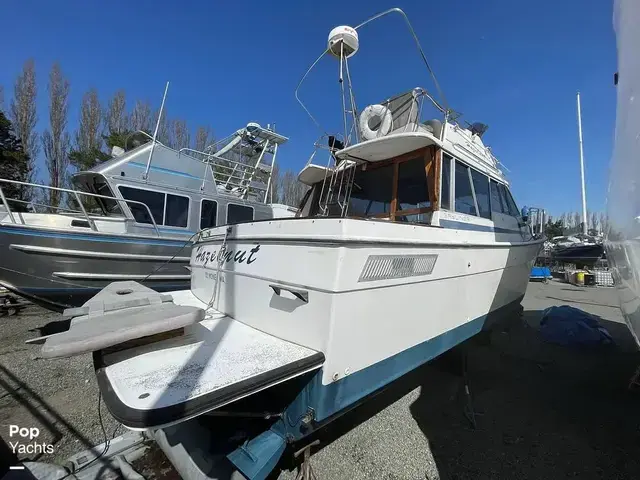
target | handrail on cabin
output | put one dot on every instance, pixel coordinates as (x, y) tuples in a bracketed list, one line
[(76, 194)]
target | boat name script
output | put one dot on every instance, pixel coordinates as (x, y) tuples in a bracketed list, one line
[(224, 256)]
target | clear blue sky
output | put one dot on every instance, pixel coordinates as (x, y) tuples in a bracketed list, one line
[(514, 65)]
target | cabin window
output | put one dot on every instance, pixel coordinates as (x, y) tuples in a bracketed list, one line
[(497, 202), (413, 191), (102, 188), (153, 200), (445, 189), (404, 188), (372, 192), (239, 213), (208, 213), (464, 202), (177, 211), (512, 208), (481, 189)]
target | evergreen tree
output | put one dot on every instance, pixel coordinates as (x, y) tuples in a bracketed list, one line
[(14, 165)]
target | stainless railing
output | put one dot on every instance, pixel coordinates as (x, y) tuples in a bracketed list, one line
[(231, 173), (76, 194), (537, 220)]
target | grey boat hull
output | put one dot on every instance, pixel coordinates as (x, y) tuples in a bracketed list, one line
[(61, 269)]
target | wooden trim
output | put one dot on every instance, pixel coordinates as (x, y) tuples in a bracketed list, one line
[(394, 191), (437, 172), (431, 171), (411, 155), (432, 156), (399, 159)]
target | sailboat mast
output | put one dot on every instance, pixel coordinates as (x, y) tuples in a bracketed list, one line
[(584, 194)]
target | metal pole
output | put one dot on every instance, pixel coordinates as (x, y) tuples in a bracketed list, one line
[(269, 191), (584, 195), (6, 205), (155, 133)]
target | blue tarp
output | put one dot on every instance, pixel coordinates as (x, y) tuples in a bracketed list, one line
[(567, 325), (540, 273)]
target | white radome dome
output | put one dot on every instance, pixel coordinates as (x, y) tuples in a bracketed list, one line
[(343, 35)]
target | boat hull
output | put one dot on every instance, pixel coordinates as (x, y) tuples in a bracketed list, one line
[(61, 269), (365, 291), (584, 254), (623, 222), (374, 300)]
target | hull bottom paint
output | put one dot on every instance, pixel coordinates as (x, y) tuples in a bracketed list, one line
[(330, 402)]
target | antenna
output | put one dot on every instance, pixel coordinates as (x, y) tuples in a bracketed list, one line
[(343, 43), (155, 133)]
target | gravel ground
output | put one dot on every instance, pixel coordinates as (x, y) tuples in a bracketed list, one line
[(542, 411), (60, 397)]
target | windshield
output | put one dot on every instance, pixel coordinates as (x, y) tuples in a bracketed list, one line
[(97, 185)]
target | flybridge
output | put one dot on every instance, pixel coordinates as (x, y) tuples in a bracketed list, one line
[(240, 164)]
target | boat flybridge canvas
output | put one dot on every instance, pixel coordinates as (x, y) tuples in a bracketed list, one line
[(622, 241), (132, 217), (407, 243)]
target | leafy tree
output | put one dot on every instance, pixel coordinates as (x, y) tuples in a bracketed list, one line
[(14, 164), (554, 229), (86, 159), (127, 140)]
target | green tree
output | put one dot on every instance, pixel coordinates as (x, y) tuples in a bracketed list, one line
[(554, 229), (88, 158), (14, 164), (127, 140)]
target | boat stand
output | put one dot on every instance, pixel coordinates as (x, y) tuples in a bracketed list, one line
[(305, 471)]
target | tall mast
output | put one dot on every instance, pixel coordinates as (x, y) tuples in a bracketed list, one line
[(584, 194)]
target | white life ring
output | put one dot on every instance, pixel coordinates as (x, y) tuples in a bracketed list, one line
[(375, 121)]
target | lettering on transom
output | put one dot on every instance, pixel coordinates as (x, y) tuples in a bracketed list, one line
[(206, 255)]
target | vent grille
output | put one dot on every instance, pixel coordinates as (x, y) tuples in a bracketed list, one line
[(386, 267)]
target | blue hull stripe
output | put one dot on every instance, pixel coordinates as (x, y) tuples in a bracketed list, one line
[(93, 238), (334, 397), (164, 170), (43, 291), (476, 228), (327, 400)]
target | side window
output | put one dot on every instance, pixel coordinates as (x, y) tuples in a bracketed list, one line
[(512, 208), (413, 191), (497, 204), (481, 188), (153, 200), (177, 211), (239, 213), (445, 194), (208, 213), (372, 192), (464, 202)]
